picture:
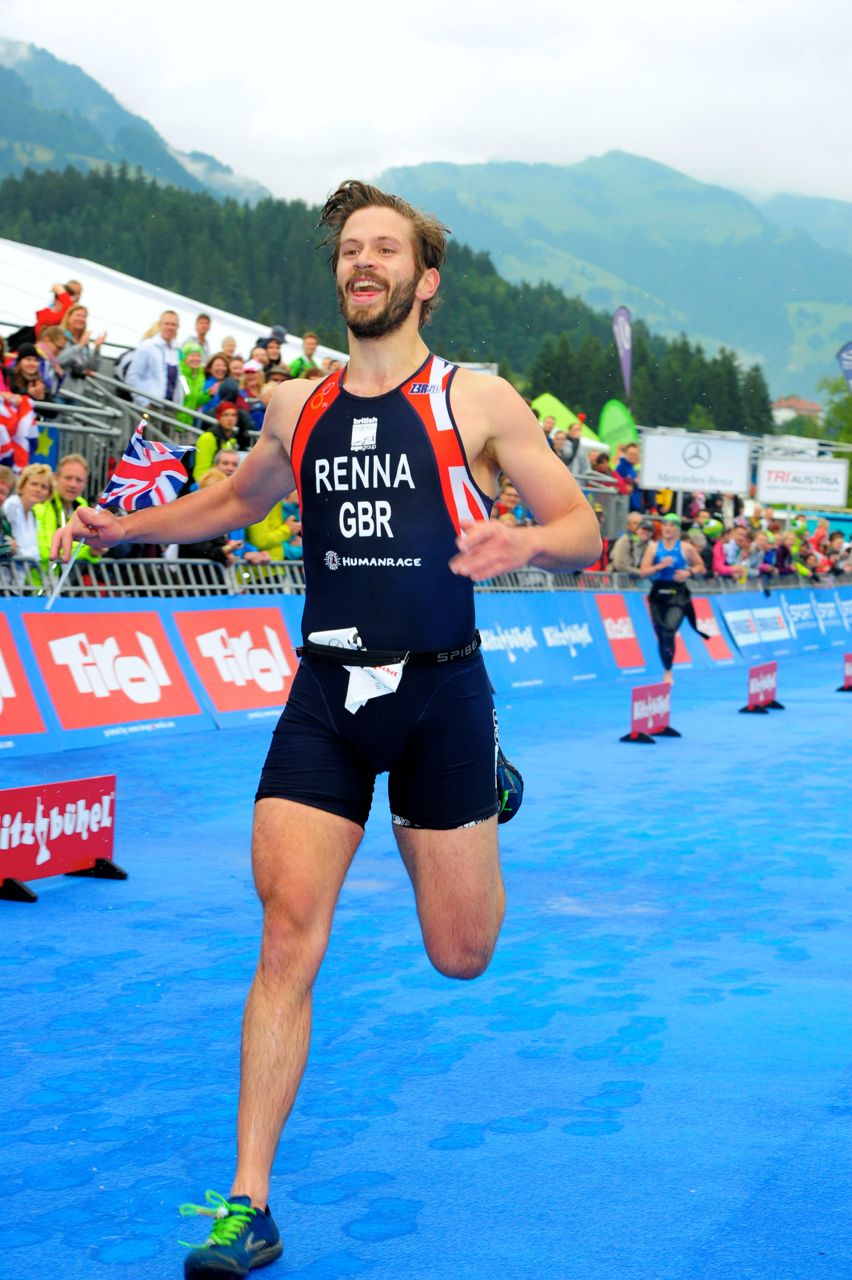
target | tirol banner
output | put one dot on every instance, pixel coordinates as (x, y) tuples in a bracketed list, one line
[(244, 660), (844, 359), (622, 329)]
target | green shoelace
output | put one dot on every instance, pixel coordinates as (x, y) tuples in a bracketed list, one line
[(231, 1219)]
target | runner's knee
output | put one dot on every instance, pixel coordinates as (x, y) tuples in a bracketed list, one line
[(294, 942)]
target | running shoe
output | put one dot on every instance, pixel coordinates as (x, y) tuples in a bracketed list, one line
[(510, 788), (242, 1239)]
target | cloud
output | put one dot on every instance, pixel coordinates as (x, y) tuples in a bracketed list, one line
[(746, 94)]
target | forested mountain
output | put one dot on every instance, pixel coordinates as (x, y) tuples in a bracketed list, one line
[(685, 255), (263, 262), (53, 114)]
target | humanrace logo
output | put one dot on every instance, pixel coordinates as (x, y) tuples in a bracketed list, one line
[(101, 669), (38, 825), (619, 629), (240, 661)]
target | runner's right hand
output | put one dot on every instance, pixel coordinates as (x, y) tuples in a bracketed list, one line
[(97, 528)]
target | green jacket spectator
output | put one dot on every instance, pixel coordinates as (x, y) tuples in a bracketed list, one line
[(222, 436), (192, 372), (306, 360), (50, 516), (69, 483)]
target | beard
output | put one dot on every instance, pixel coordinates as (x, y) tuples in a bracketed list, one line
[(397, 307)]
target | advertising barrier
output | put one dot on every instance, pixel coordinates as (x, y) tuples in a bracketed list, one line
[(650, 713), (620, 632), (21, 722), (762, 688), (245, 661), (717, 648), (54, 829), (534, 640), (846, 687), (94, 671)]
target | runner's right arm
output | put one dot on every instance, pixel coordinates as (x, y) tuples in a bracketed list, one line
[(243, 499)]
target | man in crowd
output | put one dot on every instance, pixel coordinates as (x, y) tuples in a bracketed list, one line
[(154, 368), (305, 361), (628, 468), (627, 551), (69, 487), (202, 328), (415, 621)]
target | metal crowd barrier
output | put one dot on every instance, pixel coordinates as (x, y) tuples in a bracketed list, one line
[(162, 577)]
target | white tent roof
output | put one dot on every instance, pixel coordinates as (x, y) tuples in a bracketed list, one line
[(118, 304)]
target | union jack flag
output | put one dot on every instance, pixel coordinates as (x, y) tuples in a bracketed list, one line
[(149, 474), (18, 433)]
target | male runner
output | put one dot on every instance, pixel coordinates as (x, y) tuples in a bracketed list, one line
[(396, 459)]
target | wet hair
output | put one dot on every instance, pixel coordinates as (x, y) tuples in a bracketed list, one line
[(430, 234)]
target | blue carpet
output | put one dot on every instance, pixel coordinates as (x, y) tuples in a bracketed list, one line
[(652, 1082)]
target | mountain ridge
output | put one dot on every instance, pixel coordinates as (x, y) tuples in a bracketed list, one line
[(685, 255), (54, 113)]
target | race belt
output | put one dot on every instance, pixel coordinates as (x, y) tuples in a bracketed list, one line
[(386, 657)]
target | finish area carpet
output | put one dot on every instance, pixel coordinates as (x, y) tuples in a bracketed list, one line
[(651, 1082)]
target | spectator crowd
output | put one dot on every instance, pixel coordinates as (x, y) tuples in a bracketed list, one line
[(53, 359)]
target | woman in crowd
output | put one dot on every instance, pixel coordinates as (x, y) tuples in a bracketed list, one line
[(214, 371), (35, 484), (670, 562), (81, 354)]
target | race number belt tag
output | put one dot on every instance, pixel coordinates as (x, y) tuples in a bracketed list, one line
[(364, 682)]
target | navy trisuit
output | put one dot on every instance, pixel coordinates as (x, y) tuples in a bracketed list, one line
[(384, 483)]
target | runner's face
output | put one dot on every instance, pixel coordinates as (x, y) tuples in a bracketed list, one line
[(377, 280)]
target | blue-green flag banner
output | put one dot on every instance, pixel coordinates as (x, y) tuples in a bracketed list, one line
[(616, 425)]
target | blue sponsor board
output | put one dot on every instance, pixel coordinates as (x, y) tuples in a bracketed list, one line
[(843, 596), (803, 620), (542, 639), (829, 617), (736, 611)]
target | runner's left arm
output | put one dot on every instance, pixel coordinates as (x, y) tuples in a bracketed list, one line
[(566, 535)]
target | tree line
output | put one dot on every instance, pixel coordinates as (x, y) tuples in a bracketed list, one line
[(263, 261)]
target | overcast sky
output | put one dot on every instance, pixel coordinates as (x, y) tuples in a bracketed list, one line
[(751, 94)]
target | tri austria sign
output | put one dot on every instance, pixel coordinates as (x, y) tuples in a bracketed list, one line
[(694, 461), (820, 482)]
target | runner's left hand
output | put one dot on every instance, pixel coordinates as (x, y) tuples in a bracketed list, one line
[(489, 547)]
